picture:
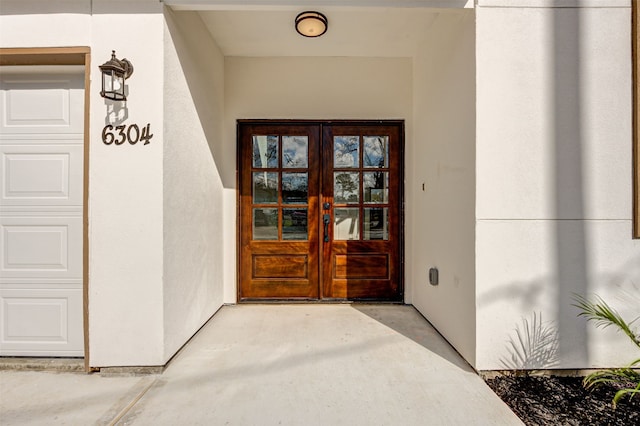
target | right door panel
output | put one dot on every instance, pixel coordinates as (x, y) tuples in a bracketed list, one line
[(362, 211)]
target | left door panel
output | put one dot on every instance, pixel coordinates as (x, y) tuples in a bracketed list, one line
[(279, 186), (41, 208)]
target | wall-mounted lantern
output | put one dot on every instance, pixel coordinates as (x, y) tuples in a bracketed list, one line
[(311, 24), (114, 72)]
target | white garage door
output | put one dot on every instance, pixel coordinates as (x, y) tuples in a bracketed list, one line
[(41, 172)]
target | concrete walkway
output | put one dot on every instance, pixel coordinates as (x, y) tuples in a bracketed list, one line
[(306, 364)]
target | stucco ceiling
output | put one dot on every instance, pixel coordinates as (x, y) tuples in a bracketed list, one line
[(373, 32)]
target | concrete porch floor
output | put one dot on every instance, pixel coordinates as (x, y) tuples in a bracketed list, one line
[(303, 364)]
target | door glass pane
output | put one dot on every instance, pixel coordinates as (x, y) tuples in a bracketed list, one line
[(295, 151), (265, 151), (265, 188), (294, 224), (376, 151), (376, 187), (346, 187), (346, 224), (265, 224), (346, 151), (376, 224), (295, 188)]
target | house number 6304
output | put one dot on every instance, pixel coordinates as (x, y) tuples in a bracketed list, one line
[(126, 133)]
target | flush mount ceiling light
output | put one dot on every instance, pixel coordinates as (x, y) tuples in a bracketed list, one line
[(311, 24)]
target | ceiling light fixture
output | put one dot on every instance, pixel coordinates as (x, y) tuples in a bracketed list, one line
[(311, 24)]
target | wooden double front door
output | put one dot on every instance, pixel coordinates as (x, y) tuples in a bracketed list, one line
[(320, 210)]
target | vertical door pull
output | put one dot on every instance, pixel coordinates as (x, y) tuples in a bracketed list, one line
[(326, 218)]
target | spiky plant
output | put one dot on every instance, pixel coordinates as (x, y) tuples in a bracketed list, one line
[(604, 316)]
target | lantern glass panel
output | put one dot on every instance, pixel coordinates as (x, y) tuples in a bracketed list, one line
[(113, 86)]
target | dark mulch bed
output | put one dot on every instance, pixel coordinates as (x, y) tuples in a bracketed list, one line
[(544, 400)]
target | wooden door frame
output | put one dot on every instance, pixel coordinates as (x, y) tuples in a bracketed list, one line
[(79, 55), (320, 122)]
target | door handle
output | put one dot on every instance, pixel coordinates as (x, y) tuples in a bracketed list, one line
[(326, 219)]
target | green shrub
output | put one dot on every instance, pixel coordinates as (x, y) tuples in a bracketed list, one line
[(604, 316)]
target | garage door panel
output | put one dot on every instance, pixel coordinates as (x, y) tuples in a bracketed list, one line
[(41, 210), (37, 321), (41, 247), (41, 175), (41, 104)]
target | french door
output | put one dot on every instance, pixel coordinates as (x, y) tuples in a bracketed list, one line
[(320, 210)]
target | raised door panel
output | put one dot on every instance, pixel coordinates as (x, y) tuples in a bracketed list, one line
[(41, 175), (281, 266), (40, 247), (41, 103), (361, 266), (38, 322)]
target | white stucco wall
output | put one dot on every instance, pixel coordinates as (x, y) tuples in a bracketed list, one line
[(125, 194), (193, 203), (441, 217), (553, 179), (310, 88), (50, 24)]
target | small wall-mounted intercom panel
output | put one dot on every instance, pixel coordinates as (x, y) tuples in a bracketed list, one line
[(433, 276)]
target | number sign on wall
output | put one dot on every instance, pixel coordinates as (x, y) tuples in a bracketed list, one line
[(131, 133)]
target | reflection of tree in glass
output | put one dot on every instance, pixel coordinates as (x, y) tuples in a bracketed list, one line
[(288, 160), (347, 187), (375, 155), (269, 156), (294, 151), (375, 151), (294, 187), (376, 187), (266, 180), (345, 147), (265, 187), (378, 178), (294, 181)]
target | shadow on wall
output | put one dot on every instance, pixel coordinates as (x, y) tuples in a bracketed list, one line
[(622, 287), (534, 345), (570, 240), (117, 112), (524, 293)]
